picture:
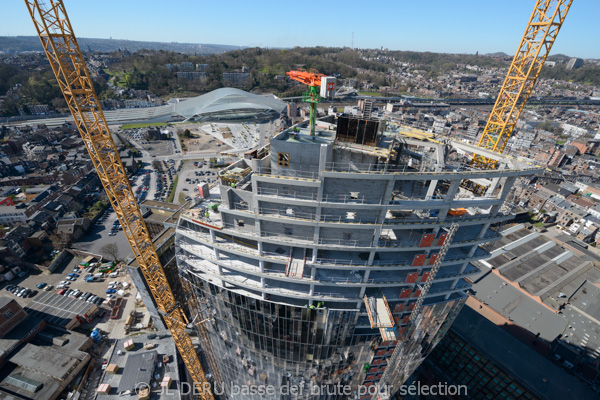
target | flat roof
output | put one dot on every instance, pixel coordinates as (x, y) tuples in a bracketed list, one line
[(9, 391), (516, 306), (46, 360), (139, 369), (541, 266), (59, 310), (131, 362), (524, 363)]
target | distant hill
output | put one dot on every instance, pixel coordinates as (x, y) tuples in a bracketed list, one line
[(497, 54), (20, 44)]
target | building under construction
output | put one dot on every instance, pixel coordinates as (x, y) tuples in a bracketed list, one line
[(309, 261)]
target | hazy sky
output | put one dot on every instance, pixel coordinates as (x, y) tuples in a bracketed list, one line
[(457, 26)]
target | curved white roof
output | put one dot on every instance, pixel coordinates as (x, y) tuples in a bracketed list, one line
[(227, 99)]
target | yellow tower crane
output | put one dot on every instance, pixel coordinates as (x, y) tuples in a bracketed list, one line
[(544, 24), (59, 42)]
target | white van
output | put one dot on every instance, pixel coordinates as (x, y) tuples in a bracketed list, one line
[(113, 274), (99, 275)]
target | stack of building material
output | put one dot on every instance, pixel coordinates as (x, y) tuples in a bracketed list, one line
[(144, 394), (103, 388), (112, 369), (129, 345), (166, 382)]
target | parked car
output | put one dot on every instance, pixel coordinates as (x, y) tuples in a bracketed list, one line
[(9, 287), (48, 288), (32, 293), (110, 291), (41, 285)]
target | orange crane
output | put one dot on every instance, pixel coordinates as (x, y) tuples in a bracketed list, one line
[(312, 78), (543, 27), (60, 45)]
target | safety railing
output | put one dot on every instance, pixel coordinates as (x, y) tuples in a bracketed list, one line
[(287, 173), (405, 169)]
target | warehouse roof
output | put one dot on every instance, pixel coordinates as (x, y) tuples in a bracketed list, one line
[(59, 310)]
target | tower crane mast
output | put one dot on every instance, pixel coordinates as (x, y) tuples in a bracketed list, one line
[(543, 27), (66, 60)]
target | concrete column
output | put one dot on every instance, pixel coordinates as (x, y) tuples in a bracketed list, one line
[(431, 189), (212, 236), (366, 277), (472, 251), (363, 289), (454, 283), (452, 191), (463, 267), (376, 236), (261, 265), (313, 273), (492, 187), (311, 292), (318, 204), (371, 257), (454, 186), (484, 229), (260, 247), (508, 184)]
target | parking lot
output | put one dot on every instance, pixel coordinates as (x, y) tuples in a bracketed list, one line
[(54, 280), (189, 178), (101, 234)]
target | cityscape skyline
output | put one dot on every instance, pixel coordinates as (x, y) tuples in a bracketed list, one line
[(451, 27)]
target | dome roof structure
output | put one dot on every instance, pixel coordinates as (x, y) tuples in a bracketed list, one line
[(228, 104)]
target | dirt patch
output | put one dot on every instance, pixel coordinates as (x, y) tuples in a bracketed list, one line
[(201, 140)]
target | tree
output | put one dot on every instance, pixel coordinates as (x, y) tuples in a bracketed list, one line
[(110, 250)]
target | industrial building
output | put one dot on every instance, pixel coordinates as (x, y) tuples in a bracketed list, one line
[(311, 256), (474, 353), (37, 361), (62, 311), (544, 288)]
